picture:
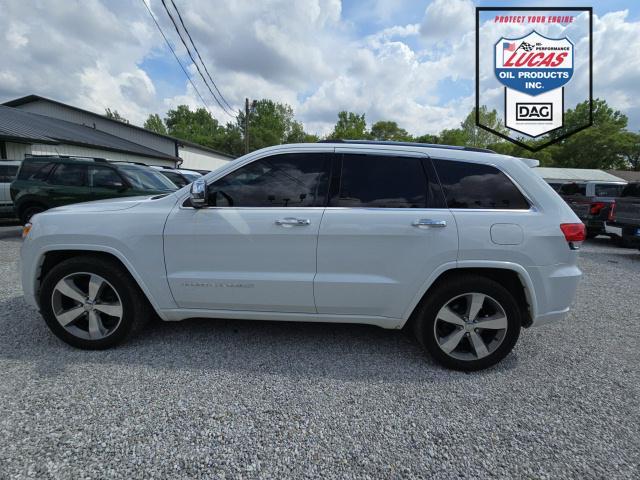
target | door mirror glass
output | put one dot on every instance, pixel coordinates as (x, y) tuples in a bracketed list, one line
[(198, 196)]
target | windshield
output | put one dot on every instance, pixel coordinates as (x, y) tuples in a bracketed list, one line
[(145, 178)]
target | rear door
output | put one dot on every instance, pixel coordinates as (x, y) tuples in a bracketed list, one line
[(67, 184), (385, 231)]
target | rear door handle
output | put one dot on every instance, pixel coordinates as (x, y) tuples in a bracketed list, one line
[(293, 222), (427, 222)]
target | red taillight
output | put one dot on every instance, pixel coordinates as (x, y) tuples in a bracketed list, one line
[(612, 213), (574, 234), (596, 207)]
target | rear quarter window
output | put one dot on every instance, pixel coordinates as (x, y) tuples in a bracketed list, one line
[(35, 170), (472, 185), (8, 173)]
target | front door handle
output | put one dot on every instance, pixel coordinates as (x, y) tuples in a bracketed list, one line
[(293, 222), (427, 222)]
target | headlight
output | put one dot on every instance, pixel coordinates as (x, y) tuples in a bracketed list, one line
[(26, 229)]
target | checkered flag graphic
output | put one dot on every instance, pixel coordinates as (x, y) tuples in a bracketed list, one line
[(527, 47)]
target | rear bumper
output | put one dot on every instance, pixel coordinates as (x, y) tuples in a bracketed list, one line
[(626, 232), (555, 288)]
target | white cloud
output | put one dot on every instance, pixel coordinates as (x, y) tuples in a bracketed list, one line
[(304, 53), (446, 19)]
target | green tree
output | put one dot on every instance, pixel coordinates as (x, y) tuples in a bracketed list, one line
[(631, 150), (427, 138), (387, 130), (114, 115), (600, 146), (453, 136), (271, 123), (155, 124), (196, 126), (350, 126), (478, 137)]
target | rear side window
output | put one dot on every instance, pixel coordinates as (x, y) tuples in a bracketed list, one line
[(8, 173), (35, 170), (471, 185), (608, 190), (378, 181), (69, 175), (573, 189), (631, 190)]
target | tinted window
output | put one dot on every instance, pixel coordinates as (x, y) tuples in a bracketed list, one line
[(35, 170), (631, 190), (145, 178), (608, 190), (176, 178), (470, 185), (104, 177), (289, 180), (573, 189), (69, 175), (382, 182), (8, 173)]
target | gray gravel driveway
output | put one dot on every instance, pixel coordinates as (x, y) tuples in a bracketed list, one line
[(232, 399)]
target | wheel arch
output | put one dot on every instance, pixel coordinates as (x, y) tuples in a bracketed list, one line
[(51, 258), (510, 275)]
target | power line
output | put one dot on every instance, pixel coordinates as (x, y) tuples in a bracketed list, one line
[(176, 56), (175, 25), (200, 57)]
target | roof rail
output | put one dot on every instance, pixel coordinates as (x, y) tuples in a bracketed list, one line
[(71, 157), (408, 144), (130, 162)]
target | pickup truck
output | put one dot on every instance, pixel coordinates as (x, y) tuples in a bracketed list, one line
[(591, 202), (624, 217)]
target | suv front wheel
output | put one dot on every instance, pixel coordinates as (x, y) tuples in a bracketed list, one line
[(91, 303), (468, 323)]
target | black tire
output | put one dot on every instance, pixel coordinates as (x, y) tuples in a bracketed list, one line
[(29, 211), (135, 307), (449, 289), (592, 233)]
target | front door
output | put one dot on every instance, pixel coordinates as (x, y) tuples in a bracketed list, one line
[(384, 233), (254, 247)]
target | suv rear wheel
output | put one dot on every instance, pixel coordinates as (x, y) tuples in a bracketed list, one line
[(91, 303), (468, 323)]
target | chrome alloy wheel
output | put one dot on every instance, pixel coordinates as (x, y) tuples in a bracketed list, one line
[(87, 306), (470, 326)]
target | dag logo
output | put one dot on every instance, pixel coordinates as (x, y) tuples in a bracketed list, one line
[(534, 64)]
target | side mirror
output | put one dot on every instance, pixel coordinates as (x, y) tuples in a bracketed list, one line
[(198, 195)]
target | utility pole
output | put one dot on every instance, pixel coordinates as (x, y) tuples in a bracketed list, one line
[(246, 126)]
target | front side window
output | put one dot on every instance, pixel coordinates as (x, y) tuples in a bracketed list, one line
[(104, 177), (472, 185), (69, 175), (144, 178), (631, 190), (287, 180), (176, 178), (379, 181)]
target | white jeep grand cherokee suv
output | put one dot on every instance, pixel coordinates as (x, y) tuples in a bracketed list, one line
[(462, 246)]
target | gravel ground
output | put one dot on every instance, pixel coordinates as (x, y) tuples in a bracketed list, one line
[(231, 399)]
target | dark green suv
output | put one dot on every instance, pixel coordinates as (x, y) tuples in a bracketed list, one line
[(47, 182)]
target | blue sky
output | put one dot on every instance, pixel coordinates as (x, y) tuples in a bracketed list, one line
[(403, 60)]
